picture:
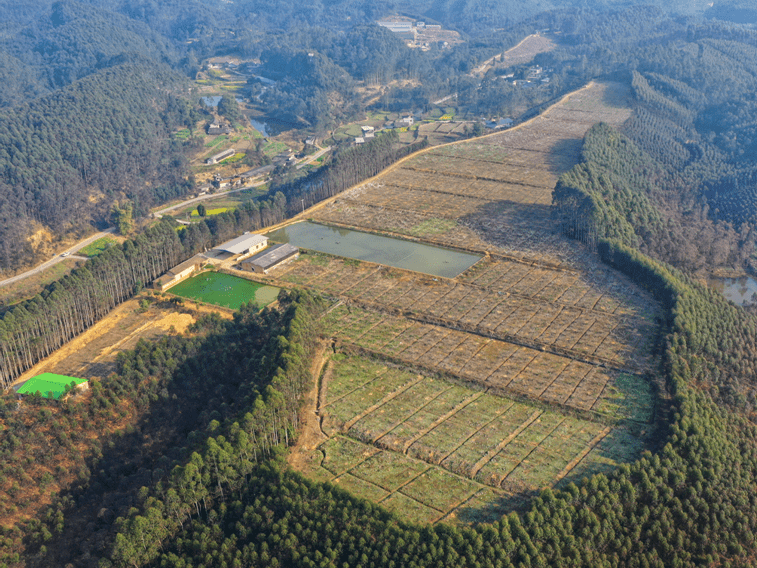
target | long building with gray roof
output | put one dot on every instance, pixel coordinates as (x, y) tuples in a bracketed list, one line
[(270, 258)]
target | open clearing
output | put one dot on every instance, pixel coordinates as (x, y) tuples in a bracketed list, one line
[(225, 290), (522, 53), (458, 398), (93, 353)]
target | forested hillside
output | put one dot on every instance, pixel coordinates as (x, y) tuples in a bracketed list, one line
[(176, 460), (66, 157), (166, 391)]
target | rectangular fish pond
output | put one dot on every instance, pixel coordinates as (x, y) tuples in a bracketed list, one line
[(399, 253), (225, 290)]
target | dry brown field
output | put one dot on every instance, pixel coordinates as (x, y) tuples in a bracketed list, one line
[(93, 353), (497, 188), (522, 53)]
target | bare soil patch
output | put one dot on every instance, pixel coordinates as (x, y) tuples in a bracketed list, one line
[(93, 353), (522, 53)]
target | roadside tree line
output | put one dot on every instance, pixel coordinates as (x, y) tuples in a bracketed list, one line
[(37, 327)]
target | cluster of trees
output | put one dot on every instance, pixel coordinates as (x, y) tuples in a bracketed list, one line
[(348, 167), (66, 157), (49, 45), (209, 433), (37, 327), (621, 192)]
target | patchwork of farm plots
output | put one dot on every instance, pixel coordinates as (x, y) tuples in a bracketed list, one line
[(604, 321), (431, 449), (503, 366), (461, 397)]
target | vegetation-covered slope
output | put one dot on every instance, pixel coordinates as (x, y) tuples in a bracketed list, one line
[(66, 157)]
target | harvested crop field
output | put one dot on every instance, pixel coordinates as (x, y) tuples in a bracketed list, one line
[(429, 449), (479, 183), (536, 372), (603, 319)]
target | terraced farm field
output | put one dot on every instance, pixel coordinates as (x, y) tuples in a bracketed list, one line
[(438, 450), (497, 188), (459, 398)]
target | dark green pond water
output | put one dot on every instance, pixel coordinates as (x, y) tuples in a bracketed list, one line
[(398, 253)]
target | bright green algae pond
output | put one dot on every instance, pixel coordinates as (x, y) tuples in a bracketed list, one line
[(399, 253), (225, 290)]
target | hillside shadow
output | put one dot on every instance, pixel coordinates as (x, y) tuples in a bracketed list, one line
[(563, 155), (173, 422), (495, 509), (519, 228)]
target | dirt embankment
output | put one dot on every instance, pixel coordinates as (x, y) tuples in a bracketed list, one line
[(311, 436)]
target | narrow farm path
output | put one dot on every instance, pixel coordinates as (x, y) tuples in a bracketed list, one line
[(310, 435)]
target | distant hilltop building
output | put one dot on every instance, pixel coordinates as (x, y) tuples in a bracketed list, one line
[(221, 156), (397, 27)]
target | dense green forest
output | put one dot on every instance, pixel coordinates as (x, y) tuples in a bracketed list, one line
[(168, 391)]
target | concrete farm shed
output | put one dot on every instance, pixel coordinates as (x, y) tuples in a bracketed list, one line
[(244, 245), (270, 258)]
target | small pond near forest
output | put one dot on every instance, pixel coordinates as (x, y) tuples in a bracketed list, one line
[(741, 291)]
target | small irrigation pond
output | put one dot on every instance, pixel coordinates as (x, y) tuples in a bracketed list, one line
[(399, 253), (741, 291)]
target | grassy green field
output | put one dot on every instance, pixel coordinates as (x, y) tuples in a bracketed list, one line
[(209, 212), (428, 449), (225, 290), (224, 202), (95, 248), (239, 156), (273, 148), (213, 142)]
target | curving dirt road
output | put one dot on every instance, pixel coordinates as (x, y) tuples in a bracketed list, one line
[(59, 257)]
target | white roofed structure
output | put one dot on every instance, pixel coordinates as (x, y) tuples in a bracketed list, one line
[(244, 244)]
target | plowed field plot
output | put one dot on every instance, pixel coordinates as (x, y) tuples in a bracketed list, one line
[(524, 371), (429, 449), (512, 301), (525, 162)]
